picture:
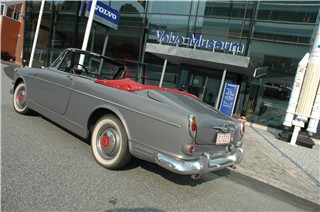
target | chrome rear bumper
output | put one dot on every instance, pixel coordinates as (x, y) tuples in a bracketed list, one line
[(203, 165)]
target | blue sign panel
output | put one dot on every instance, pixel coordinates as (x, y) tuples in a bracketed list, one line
[(105, 14), (229, 98)]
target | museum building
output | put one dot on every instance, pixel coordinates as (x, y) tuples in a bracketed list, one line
[(201, 45)]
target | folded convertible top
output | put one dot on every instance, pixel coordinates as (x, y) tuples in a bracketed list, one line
[(128, 84)]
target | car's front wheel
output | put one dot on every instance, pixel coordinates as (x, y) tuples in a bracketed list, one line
[(20, 99), (109, 143)]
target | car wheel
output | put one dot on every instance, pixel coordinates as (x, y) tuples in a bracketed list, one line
[(109, 143), (20, 99)]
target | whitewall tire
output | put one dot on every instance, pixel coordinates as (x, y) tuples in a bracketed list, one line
[(20, 99), (109, 143)]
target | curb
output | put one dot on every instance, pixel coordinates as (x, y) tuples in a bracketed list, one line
[(273, 183), (289, 177)]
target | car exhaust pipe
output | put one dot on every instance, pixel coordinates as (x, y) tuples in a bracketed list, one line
[(196, 176), (233, 167)]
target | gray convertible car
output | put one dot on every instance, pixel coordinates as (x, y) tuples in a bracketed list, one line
[(123, 118)]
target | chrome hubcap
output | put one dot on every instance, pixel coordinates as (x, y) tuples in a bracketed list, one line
[(21, 98), (108, 143)]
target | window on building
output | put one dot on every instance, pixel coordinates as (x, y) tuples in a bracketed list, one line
[(169, 7), (132, 12), (2, 9), (225, 9), (304, 12), (168, 22), (12, 11)]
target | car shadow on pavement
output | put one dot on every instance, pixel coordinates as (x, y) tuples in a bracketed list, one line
[(9, 70), (86, 141), (179, 179)]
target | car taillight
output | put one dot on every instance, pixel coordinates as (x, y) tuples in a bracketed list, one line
[(243, 124), (243, 127), (239, 144), (192, 124), (188, 149)]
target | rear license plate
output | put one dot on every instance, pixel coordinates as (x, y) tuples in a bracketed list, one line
[(223, 138)]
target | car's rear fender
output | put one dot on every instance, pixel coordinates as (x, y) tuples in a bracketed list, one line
[(145, 140), (100, 111), (17, 82)]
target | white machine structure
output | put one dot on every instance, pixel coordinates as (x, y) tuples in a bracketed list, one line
[(304, 104)]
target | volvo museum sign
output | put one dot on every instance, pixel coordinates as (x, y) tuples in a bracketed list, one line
[(199, 41)]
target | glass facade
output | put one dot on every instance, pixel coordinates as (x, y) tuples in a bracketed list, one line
[(275, 35)]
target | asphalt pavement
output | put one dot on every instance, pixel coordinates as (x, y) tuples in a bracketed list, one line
[(292, 168)]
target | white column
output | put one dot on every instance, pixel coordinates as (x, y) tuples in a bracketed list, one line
[(36, 34), (88, 29), (105, 43), (221, 87), (295, 135), (104, 50), (298, 124), (163, 72)]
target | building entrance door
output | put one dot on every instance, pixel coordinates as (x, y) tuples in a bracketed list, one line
[(196, 84), (203, 83)]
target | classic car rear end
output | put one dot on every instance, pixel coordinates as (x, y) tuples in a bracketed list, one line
[(215, 138)]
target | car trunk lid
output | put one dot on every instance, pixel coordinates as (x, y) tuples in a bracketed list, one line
[(209, 120)]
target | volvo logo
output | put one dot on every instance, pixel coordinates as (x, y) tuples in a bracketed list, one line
[(106, 12), (224, 128)]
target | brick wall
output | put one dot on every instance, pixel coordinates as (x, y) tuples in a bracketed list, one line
[(9, 34)]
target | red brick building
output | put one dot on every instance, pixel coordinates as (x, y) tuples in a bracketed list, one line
[(12, 28)]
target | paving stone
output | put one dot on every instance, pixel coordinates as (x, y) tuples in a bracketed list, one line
[(293, 169)]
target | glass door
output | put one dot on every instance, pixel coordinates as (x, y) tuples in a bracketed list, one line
[(201, 82), (196, 84), (211, 90)]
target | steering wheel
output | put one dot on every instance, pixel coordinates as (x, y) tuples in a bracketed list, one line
[(83, 68)]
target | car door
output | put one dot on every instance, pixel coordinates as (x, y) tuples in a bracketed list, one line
[(53, 89)]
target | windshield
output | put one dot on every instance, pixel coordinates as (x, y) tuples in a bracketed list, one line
[(94, 65)]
